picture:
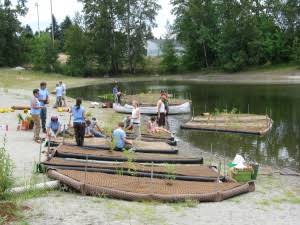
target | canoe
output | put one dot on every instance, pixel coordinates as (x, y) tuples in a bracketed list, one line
[(147, 189), (152, 110)]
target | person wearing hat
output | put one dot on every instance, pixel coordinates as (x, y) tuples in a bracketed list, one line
[(54, 127)]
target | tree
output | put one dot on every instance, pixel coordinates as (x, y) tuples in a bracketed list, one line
[(140, 18), (44, 55), (64, 26), (170, 60), (118, 30), (10, 44), (76, 45)]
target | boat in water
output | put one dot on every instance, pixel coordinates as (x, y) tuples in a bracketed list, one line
[(183, 108)]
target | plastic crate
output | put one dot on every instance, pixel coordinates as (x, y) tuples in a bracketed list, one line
[(241, 175)]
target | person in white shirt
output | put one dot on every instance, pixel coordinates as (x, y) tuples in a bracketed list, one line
[(136, 120), (59, 94), (64, 88)]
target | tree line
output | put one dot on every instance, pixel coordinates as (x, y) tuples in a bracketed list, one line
[(235, 34), (109, 36)]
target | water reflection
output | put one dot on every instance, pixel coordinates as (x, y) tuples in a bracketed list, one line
[(282, 102)]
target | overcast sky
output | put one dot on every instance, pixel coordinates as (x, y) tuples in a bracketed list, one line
[(61, 8)]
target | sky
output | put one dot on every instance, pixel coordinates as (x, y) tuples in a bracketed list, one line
[(62, 8)]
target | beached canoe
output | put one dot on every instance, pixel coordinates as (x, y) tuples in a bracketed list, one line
[(152, 110)]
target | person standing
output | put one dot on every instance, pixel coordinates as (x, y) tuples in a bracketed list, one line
[(161, 112), (117, 94), (136, 120), (78, 114), (64, 89), (44, 100), (35, 111), (59, 94)]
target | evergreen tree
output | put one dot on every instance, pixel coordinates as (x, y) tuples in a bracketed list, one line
[(10, 44), (170, 60)]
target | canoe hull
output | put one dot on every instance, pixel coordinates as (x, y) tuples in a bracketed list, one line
[(152, 110)]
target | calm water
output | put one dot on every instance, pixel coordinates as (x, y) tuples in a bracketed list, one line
[(280, 147)]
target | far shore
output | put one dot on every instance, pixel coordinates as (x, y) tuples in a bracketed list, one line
[(28, 79)]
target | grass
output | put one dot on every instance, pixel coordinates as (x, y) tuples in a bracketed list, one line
[(29, 79)]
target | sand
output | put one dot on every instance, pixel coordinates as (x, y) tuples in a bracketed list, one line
[(276, 199)]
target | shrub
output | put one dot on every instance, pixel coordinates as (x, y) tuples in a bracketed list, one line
[(6, 168)]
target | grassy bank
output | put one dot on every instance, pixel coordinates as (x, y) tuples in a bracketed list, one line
[(28, 79)]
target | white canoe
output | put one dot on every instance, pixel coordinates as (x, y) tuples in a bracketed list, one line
[(152, 110)]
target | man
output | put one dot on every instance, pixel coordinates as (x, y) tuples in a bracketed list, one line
[(44, 100), (54, 127), (161, 111), (64, 88), (35, 111), (117, 94), (119, 138)]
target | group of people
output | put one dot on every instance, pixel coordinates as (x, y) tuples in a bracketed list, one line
[(84, 127), (133, 122), (38, 109)]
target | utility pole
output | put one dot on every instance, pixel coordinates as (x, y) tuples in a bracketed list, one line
[(38, 17), (52, 26)]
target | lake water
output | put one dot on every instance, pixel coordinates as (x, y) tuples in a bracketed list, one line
[(280, 147)]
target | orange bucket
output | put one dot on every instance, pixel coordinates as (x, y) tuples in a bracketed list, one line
[(24, 125)]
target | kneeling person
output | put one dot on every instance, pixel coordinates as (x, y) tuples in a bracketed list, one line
[(119, 137), (54, 127)]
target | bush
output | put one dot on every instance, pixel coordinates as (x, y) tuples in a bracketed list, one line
[(6, 169)]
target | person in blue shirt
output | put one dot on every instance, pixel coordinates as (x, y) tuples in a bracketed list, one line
[(117, 94), (78, 114), (119, 138), (35, 111), (44, 100), (54, 127)]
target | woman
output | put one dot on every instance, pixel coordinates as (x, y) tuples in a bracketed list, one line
[(35, 111), (136, 120), (78, 114)]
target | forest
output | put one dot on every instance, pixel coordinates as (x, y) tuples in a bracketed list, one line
[(109, 37)]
